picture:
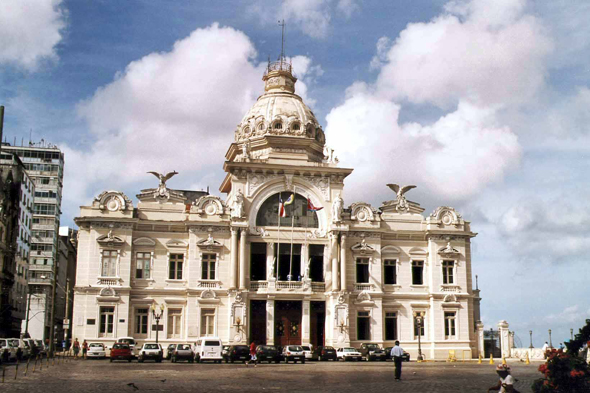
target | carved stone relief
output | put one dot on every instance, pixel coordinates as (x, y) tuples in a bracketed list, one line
[(321, 183)]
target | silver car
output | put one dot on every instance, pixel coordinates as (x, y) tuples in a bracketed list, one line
[(183, 352)]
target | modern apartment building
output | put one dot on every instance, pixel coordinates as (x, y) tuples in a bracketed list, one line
[(44, 164)]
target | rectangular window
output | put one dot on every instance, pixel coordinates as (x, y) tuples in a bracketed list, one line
[(207, 322), (389, 272), (257, 261), (141, 321), (109, 263), (174, 322), (143, 261), (363, 325), (419, 327), (417, 272), (176, 261), (107, 316), (390, 326), (450, 319), (448, 267), (362, 270), (316, 268), (289, 264), (208, 267)]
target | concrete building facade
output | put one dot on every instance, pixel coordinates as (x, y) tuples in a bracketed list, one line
[(281, 259)]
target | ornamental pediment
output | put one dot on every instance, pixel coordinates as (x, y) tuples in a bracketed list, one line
[(363, 248), (113, 201), (209, 243), (210, 205), (448, 251), (445, 216), (110, 240)]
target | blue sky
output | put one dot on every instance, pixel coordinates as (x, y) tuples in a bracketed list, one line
[(482, 104)]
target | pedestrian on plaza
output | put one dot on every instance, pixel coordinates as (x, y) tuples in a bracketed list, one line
[(396, 354), (506, 382), (544, 349), (76, 348), (252, 354), (84, 349)]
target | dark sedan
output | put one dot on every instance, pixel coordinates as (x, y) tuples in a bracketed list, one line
[(237, 352), (405, 356), (326, 353), (269, 353)]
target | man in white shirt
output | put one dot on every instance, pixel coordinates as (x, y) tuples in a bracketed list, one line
[(506, 382), (544, 349), (396, 354)]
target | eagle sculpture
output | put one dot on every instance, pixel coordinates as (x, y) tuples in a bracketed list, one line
[(400, 191), (163, 178)]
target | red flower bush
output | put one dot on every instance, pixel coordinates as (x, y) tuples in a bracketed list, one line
[(563, 373)]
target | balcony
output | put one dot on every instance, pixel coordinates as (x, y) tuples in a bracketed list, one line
[(363, 287), (318, 287), (43, 227), (46, 240), (208, 284), (256, 285), (48, 254), (108, 281), (450, 288), (37, 280), (289, 285), (40, 268)]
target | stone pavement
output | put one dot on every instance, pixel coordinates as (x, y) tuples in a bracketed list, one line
[(100, 376)]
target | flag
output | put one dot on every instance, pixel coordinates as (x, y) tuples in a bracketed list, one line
[(311, 207), (290, 200), (282, 211)]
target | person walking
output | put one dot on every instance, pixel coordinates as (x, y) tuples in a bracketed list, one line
[(396, 354), (76, 348), (252, 354), (84, 349), (544, 349)]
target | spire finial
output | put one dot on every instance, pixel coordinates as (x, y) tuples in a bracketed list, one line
[(282, 24)]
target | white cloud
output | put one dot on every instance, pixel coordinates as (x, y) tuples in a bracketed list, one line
[(30, 31), (175, 110), (312, 17), (553, 230), (383, 46), (569, 315), (487, 53)]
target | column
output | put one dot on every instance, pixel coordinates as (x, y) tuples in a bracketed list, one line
[(304, 259), (233, 271), (504, 341), (343, 262), (270, 322), (480, 341), (243, 259), (334, 258), (305, 321)]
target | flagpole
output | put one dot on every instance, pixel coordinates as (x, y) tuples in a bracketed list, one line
[(292, 225), (278, 240)]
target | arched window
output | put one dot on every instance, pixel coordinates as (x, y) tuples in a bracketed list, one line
[(297, 213), (296, 127), (278, 125)]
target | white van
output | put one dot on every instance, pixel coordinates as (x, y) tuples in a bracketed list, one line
[(6, 345), (208, 348)]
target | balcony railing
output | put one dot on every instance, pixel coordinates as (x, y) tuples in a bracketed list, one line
[(318, 286), (208, 284), (256, 285), (43, 268), (450, 288), (363, 287), (108, 281), (289, 284), (36, 280)]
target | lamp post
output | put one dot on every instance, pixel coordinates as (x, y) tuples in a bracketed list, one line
[(419, 321), (157, 317), (531, 334), (550, 343), (572, 334)]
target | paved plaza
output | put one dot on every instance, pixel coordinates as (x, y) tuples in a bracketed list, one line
[(101, 376)]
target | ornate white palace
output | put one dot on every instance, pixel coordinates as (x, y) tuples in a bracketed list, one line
[(327, 275)]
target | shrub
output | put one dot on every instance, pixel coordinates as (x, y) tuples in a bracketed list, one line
[(563, 373)]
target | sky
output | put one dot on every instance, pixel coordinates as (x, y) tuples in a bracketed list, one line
[(481, 104)]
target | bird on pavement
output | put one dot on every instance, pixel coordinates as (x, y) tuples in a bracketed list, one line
[(162, 380), (133, 385)]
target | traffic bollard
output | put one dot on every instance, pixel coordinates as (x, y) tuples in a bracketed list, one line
[(3, 372), (491, 359), (34, 365), (40, 363), (16, 370), (27, 367)]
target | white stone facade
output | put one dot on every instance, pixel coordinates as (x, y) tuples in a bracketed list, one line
[(343, 274)]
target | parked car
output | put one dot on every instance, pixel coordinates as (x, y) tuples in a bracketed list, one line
[(169, 350), (325, 353), (237, 352), (208, 348), (7, 350), (150, 351), (121, 351), (348, 353), (96, 350), (21, 347), (294, 353), (183, 352), (372, 352), (405, 356), (268, 353), (34, 350), (308, 352), (132, 344), (224, 351)]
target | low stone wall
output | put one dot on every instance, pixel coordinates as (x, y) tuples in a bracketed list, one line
[(521, 353)]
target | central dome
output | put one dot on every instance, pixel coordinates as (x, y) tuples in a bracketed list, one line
[(279, 111)]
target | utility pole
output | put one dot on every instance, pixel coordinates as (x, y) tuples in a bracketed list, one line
[(52, 318), (68, 311), (1, 124), (26, 335)]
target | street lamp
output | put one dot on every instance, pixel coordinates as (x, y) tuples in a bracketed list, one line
[(550, 343), (419, 322), (572, 334), (531, 334), (157, 317)]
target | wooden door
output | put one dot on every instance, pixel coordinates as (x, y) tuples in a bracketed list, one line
[(287, 323)]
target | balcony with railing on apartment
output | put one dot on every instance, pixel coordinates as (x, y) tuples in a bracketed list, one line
[(40, 268)]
